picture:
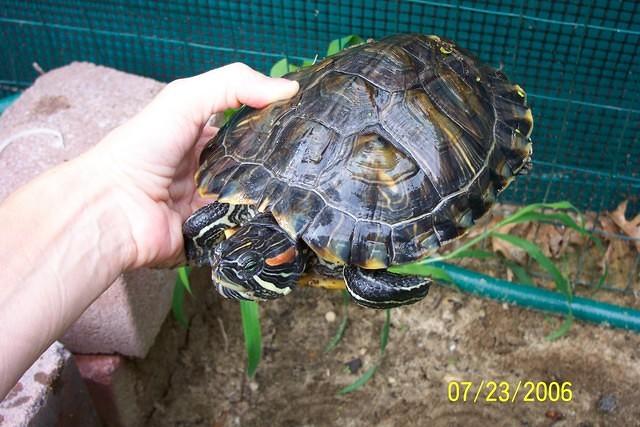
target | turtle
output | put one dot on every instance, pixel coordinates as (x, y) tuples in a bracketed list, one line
[(389, 150)]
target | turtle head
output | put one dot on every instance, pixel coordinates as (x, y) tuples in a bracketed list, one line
[(260, 261)]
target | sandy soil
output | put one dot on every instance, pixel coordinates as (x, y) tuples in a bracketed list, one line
[(449, 336)]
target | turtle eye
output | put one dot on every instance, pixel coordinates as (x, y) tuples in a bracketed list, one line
[(249, 262)]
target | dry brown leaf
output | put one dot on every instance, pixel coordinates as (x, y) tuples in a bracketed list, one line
[(588, 223), (572, 237), (618, 254), (607, 225), (629, 227), (508, 250), (509, 275), (551, 240)]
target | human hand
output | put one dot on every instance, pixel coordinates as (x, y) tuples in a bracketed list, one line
[(69, 233), (150, 161)]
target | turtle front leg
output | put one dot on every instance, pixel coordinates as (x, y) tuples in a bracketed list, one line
[(382, 289), (206, 227)]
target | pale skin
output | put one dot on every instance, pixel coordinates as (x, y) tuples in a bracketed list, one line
[(69, 233)]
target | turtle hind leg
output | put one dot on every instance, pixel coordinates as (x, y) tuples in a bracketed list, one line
[(206, 227), (382, 289)]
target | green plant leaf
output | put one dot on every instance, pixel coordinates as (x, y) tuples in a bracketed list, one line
[(562, 329), (177, 300), (534, 252), (183, 278), (308, 62), (357, 384), (521, 273), (342, 43), (536, 207), (252, 335), (515, 217), (465, 248), (384, 335), (228, 113), (177, 304), (338, 335), (346, 299), (557, 217), (602, 278), (474, 253), (422, 269), (283, 67), (384, 340)]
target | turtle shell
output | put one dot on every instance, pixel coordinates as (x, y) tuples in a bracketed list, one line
[(389, 150)]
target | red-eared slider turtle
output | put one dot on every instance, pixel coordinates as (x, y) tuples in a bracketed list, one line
[(389, 150)]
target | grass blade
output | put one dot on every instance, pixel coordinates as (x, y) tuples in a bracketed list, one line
[(422, 269), (562, 329), (475, 253), (360, 381), (557, 217), (228, 113), (602, 278), (177, 300), (534, 252), (346, 299), (521, 273), (183, 278), (282, 67), (342, 43), (384, 340), (516, 217), (252, 335), (461, 249), (177, 303), (536, 207), (384, 335)]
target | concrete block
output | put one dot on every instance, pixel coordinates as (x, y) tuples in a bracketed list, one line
[(64, 113), (127, 316), (50, 393), (111, 382), (128, 391)]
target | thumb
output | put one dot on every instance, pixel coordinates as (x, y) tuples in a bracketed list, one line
[(247, 86), (227, 87)]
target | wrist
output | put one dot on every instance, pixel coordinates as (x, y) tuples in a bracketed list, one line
[(103, 203), (64, 242), (68, 219)]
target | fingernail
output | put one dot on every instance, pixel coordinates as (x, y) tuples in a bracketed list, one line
[(291, 83)]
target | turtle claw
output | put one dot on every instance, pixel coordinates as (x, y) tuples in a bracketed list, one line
[(208, 226)]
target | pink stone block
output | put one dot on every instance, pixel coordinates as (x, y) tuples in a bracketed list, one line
[(64, 113), (126, 318), (111, 383), (50, 393)]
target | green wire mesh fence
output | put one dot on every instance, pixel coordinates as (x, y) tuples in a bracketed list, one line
[(578, 61)]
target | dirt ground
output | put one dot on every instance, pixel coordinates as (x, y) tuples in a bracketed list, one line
[(447, 337)]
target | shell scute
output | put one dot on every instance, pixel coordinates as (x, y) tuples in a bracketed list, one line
[(389, 150)]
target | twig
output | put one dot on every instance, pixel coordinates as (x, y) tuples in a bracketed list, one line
[(38, 68), (225, 339)]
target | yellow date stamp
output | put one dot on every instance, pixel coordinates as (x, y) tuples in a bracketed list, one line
[(490, 391)]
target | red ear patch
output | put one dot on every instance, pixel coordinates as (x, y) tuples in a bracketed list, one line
[(283, 258)]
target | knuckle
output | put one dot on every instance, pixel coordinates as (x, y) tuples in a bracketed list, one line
[(177, 84), (240, 68)]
